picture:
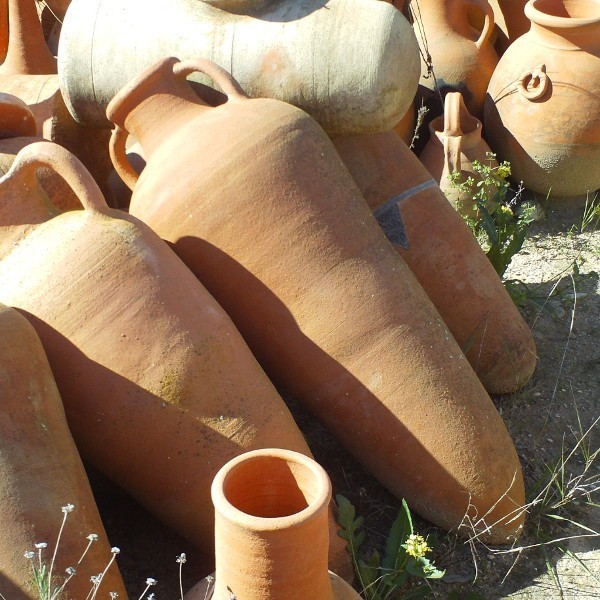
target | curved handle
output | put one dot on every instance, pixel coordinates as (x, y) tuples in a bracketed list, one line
[(454, 107), (488, 23), (452, 152), (539, 81), (231, 88), (117, 149), (67, 165)]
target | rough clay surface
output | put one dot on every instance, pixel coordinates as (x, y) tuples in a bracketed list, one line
[(539, 418)]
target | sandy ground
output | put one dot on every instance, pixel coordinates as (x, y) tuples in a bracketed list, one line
[(561, 302)]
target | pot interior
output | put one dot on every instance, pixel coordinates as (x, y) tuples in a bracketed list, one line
[(271, 487), (569, 9)]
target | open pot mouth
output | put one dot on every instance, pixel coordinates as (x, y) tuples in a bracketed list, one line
[(271, 489), (563, 14)]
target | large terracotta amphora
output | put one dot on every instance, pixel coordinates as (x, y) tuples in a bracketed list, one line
[(455, 143), (463, 58), (298, 52), (27, 53), (254, 198), (550, 77), (271, 531), (160, 389), (441, 251), (40, 473)]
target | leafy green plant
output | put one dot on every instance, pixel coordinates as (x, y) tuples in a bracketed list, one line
[(404, 555), (499, 225)]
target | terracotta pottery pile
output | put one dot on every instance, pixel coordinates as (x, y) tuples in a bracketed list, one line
[(207, 189)]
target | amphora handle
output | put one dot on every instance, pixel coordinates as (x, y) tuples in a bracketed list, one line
[(230, 87), (67, 165), (488, 23), (454, 111), (537, 79)]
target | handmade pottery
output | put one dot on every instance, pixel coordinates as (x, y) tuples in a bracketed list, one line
[(542, 111), (441, 251), (41, 472), (16, 119), (338, 319), (511, 22), (463, 59), (303, 57), (3, 29), (159, 388), (27, 53), (455, 142), (271, 531)]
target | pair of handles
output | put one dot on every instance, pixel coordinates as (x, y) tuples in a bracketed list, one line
[(230, 87)]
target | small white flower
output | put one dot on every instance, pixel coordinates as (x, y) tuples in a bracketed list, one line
[(96, 579), (209, 578), (113, 595), (151, 596), (29, 554), (182, 558), (115, 550), (93, 537), (70, 570), (151, 581), (40, 545), (68, 508)]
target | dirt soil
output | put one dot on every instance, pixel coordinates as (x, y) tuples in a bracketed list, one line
[(560, 298)]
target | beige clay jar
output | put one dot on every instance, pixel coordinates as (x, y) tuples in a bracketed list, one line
[(542, 111), (271, 531)]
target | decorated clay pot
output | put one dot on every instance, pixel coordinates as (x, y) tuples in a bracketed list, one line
[(27, 53), (455, 142), (271, 531), (40, 472), (463, 59), (302, 58), (159, 388), (542, 112), (41, 93), (441, 251), (269, 219)]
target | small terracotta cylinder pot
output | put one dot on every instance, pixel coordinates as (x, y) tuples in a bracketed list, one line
[(542, 111), (454, 144), (271, 531), (27, 53)]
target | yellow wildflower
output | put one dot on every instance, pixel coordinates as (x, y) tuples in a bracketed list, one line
[(416, 545)]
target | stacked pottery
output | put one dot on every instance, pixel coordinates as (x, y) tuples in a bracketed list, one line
[(293, 51), (158, 409), (441, 251), (542, 112), (40, 472), (339, 320), (271, 531), (455, 143), (463, 59), (27, 53)]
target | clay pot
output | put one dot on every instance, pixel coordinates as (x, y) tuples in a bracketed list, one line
[(511, 22), (160, 408), (16, 119), (41, 93), (441, 251), (463, 59), (550, 77), (271, 531), (41, 472), (455, 142), (338, 319), (27, 53), (3, 29), (306, 44)]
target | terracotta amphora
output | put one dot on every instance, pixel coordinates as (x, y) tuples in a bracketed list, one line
[(159, 388), (511, 22), (17, 130), (441, 251), (41, 472), (3, 29), (27, 53), (463, 58), (550, 77), (455, 142), (303, 57), (41, 93), (271, 531), (271, 222)]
